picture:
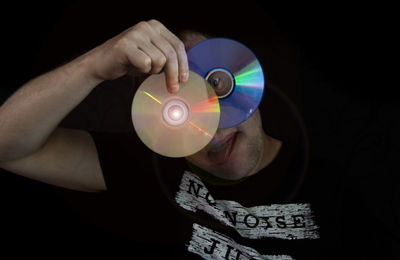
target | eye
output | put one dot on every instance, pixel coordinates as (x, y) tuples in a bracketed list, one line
[(215, 82)]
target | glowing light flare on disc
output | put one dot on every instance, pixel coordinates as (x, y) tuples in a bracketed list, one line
[(240, 62), (166, 139)]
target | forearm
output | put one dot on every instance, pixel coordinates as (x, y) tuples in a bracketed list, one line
[(29, 116), (32, 113)]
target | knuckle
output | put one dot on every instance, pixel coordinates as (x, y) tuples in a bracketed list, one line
[(146, 67), (160, 61), (171, 54), (154, 22), (134, 34), (180, 46), (156, 25), (121, 44), (143, 25)]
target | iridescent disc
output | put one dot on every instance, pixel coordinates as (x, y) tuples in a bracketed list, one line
[(175, 125), (242, 64)]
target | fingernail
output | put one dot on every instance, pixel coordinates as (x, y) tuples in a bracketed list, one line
[(184, 76)]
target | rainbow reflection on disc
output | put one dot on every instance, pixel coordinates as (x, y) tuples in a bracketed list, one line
[(175, 125), (237, 61)]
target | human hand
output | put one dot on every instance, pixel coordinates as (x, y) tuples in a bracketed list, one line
[(148, 47)]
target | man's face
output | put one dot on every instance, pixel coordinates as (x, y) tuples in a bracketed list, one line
[(234, 152)]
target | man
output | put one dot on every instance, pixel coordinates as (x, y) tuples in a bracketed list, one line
[(246, 206)]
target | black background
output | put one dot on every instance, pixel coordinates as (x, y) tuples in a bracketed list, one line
[(343, 48)]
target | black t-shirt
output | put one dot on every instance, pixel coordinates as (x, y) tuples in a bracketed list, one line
[(166, 207), (158, 206)]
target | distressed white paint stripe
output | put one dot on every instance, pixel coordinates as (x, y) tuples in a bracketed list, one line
[(284, 221), (212, 245)]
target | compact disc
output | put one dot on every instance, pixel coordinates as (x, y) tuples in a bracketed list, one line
[(175, 125), (234, 72)]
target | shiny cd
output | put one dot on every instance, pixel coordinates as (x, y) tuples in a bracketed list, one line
[(175, 125), (234, 72)]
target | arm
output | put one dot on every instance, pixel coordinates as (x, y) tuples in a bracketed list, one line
[(31, 144)]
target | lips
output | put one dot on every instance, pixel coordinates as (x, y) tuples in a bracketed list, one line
[(219, 153)]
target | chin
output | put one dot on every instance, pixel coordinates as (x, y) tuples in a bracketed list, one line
[(238, 169), (235, 169)]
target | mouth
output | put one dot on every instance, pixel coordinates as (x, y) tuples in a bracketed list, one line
[(220, 153)]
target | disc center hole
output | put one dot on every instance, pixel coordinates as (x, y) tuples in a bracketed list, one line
[(221, 81), (175, 112)]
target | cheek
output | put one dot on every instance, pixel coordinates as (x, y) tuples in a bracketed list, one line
[(241, 148), (252, 123)]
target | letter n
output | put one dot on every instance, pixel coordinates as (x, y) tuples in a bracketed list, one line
[(192, 185), (232, 218)]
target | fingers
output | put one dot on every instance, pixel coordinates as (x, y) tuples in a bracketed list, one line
[(148, 47), (157, 57), (181, 54), (139, 59), (171, 67), (176, 67), (152, 48)]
